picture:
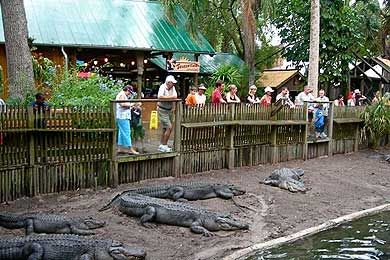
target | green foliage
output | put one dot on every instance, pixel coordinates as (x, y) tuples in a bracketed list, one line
[(44, 70), (75, 91), (377, 121), (345, 29)]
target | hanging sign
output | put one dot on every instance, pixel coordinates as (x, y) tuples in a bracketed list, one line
[(183, 65)]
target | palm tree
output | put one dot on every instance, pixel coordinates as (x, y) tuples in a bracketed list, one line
[(19, 62), (314, 56)]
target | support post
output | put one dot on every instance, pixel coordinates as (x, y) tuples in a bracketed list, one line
[(196, 75), (177, 138), (31, 158), (113, 174), (140, 72), (305, 133), (357, 138), (273, 140), (229, 141), (330, 129)]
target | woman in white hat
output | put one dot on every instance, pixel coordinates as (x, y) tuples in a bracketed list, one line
[(266, 100), (359, 98), (200, 97)]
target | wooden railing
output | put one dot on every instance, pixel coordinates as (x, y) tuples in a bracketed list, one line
[(69, 148)]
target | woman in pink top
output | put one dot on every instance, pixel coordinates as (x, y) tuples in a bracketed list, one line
[(266, 100)]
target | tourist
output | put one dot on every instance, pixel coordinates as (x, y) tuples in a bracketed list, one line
[(339, 102), (306, 96), (325, 106), (165, 114), (2, 105), (251, 98), (191, 99), (351, 99), (266, 100), (376, 98), (359, 98), (319, 122), (200, 97), (284, 97), (231, 96), (40, 104), (216, 97), (137, 128), (123, 117)]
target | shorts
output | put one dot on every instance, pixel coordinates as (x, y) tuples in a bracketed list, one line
[(165, 117)]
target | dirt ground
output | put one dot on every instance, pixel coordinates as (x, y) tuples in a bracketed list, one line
[(338, 185)]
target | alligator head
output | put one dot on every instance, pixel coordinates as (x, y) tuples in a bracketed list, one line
[(225, 223), (118, 251), (92, 223), (231, 188), (292, 185)]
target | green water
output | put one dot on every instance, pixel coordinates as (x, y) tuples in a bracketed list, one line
[(364, 239)]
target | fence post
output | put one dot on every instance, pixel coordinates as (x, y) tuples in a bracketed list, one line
[(113, 171), (229, 141), (177, 140), (31, 151), (273, 138), (305, 132), (330, 129)]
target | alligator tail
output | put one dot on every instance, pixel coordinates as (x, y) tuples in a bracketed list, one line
[(113, 202)]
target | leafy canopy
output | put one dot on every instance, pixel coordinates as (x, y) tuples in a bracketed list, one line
[(345, 29)]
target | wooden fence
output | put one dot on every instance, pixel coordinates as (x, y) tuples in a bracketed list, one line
[(70, 148)]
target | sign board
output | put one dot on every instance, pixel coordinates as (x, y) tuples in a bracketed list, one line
[(183, 65)]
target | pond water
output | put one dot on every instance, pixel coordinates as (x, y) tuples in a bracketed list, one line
[(364, 239)]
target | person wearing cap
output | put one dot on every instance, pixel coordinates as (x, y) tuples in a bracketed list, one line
[(359, 98), (266, 100), (216, 97), (190, 99), (200, 97), (123, 117), (231, 96), (164, 110), (251, 98)]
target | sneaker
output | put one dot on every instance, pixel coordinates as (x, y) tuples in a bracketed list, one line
[(318, 135), (323, 135), (161, 148), (164, 148)]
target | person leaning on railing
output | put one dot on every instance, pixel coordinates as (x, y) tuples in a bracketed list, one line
[(216, 97), (200, 97), (266, 100), (251, 98), (123, 117), (231, 96)]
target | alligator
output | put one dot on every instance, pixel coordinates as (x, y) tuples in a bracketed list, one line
[(50, 223), (199, 220), (185, 191), (66, 247), (287, 178)]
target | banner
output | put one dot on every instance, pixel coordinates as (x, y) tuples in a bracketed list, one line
[(183, 65)]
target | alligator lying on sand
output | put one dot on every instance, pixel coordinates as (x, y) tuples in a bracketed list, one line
[(199, 220), (50, 223), (185, 191), (286, 178), (66, 247)]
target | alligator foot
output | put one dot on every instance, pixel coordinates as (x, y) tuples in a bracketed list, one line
[(149, 225)]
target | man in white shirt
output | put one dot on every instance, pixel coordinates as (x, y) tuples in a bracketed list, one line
[(165, 113), (284, 97), (200, 97), (306, 96)]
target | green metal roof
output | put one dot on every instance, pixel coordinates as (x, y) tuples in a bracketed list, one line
[(208, 64), (109, 24)]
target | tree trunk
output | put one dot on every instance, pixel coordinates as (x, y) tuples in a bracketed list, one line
[(19, 62), (249, 34), (314, 56)]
